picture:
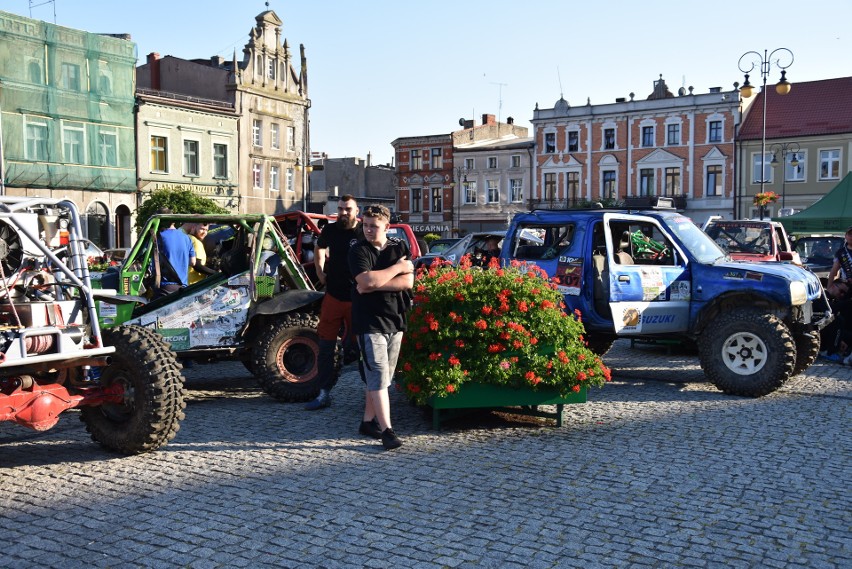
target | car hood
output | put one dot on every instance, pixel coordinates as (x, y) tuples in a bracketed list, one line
[(784, 270)]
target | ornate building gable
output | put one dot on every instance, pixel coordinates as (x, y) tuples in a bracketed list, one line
[(267, 63), (659, 156), (714, 154)]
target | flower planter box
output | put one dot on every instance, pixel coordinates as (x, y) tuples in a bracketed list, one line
[(499, 397)]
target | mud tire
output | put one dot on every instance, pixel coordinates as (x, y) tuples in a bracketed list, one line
[(807, 351), (747, 352), (153, 403), (284, 358), (600, 344)]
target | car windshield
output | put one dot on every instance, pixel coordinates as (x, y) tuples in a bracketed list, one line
[(818, 249), (749, 238), (696, 241)]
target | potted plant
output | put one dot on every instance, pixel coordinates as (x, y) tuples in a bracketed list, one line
[(499, 335), (763, 199)]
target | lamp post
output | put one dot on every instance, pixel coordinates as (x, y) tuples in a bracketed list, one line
[(460, 176), (747, 63), (785, 148)]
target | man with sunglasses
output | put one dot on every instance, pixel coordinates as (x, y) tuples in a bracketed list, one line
[(383, 274), (332, 253)]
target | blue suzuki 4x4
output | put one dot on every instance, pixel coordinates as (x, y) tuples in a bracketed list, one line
[(653, 274)]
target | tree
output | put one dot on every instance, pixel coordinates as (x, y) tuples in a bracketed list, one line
[(179, 201)]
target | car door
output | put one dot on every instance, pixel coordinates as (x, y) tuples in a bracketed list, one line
[(649, 278)]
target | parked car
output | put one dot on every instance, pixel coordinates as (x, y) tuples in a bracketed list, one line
[(441, 245), (752, 239), (653, 274), (473, 244), (817, 252)]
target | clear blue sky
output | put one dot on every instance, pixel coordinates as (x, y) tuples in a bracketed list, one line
[(381, 69)]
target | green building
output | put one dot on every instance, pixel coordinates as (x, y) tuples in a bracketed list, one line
[(67, 125)]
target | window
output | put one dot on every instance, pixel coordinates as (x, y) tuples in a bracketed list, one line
[(673, 134), (550, 187), (274, 180), (609, 138), (516, 190), (74, 142), (714, 131), (516, 161), (159, 146), (36, 133), (492, 162), (492, 191), (829, 164), (573, 183), (756, 168), (437, 159), (416, 200), (416, 160), (258, 65), (796, 173), (437, 200), (647, 136), (275, 135), (549, 142), (220, 160), (291, 138), (108, 147), (714, 180), (34, 73), (291, 180), (672, 182), (190, 157), (271, 66), (256, 175), (608, 184), (469, 192), (256, 133), (573, 141), (646, 182), (70, 77), (468, 164)]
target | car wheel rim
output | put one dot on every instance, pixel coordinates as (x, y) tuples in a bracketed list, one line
[(744, 353), (297, 360)]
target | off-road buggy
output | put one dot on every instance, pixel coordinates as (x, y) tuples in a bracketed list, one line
[(54, 356), (260, 308)]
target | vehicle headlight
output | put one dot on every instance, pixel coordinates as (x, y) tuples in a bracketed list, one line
[(798, 293)]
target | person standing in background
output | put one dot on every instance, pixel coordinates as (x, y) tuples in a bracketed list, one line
[(175, 257)]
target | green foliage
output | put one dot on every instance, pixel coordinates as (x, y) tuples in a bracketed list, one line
[(179, 201), (500, 325), (429, 237)]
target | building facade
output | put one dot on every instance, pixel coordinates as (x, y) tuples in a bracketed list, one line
[(625, 152), (187, 143), (270, 97), (66, 122), (331, 178), (429, 181), (807, 146)]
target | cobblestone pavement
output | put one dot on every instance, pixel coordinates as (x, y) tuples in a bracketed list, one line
[(657, 469)]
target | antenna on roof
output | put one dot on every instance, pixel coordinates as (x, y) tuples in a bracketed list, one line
[(559, 76), (500, 99), (37, 3)]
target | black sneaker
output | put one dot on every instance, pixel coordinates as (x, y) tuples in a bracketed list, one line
[(389, 439), (370, 429)]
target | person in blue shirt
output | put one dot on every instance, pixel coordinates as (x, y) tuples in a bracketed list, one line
[(176, 247)]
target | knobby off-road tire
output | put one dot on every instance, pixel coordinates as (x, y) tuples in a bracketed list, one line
[(807, 350), (284, 358), (747, 352), (153, 403), (600, 344)]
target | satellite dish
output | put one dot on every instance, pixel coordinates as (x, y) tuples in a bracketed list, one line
[(461, 121)]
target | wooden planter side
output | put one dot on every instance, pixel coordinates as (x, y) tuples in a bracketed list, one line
[(520, 401)]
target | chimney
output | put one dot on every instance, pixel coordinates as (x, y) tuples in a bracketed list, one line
[(715, 89), (510, 120), (369, 159), (489, 119), (153, 61), (217, 61), (469, 124)]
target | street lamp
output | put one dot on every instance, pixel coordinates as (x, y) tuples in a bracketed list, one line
[(460, 175), (747, 63), (785, 148)]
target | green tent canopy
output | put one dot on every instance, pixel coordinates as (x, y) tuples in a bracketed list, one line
[(831, 214)]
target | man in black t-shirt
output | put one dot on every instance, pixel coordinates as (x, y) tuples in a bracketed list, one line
[(842, 266), (332, 253), (383, 275)]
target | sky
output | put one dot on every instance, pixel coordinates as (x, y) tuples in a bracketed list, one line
[(383, 69)]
